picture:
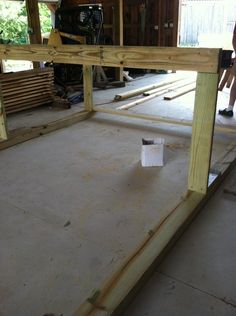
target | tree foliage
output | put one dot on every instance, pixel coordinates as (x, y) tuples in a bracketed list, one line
[(13, 21)]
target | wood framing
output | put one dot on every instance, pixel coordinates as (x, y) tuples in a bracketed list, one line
[(34, 28), (192, 59), (203, 129), (88, 87), (3, 125), (22, 135), (108, 299)]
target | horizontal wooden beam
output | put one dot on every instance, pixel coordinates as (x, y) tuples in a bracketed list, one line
[(22, 135), (107, 299), (160, 119), (192, 59)]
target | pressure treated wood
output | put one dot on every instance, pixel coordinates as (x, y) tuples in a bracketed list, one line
[(88, 87), (193, 59), (22, 135), (106, 300), (135, 92), (202, 133), (181, 91), (3, 125)]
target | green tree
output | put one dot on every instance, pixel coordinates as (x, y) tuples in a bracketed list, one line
[(13, 21)]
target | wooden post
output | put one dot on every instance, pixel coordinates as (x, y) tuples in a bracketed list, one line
[(202, 132), (3, 129), (119, 32), (34, 29), (88, 87)]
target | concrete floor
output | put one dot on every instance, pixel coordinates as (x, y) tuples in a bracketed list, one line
[(76, 202), (198, 275)]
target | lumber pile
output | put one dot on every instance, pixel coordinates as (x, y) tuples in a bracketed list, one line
[(27, 89)]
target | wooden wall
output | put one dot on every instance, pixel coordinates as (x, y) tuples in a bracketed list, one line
[(150, 22)]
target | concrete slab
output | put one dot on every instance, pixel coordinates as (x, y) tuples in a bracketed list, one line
[(165, 296), (197, 276), (74, 205), (205, 257), (81, 197)]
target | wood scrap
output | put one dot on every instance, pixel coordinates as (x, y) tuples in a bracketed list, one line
[(27, 89), (181, 91), (171, 86), (142, 100), (135, 92)]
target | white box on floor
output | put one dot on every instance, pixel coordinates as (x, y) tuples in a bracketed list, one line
[(152, 152)]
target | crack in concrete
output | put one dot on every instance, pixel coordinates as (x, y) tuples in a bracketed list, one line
[(224, 300)]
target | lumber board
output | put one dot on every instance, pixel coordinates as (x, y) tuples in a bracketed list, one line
[(88, 87), (148, 117), (202, 131), (22, 88), (3, 124), (160, 119), (26, 73), (170, 87), (107, 299), (175, 58), (142, 100), (22, 135), (135, 92), (181, 91)]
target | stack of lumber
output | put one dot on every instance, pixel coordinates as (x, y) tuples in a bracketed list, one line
[(26, 89)]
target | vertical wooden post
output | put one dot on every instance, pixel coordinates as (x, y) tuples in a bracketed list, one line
[(3, 129), (202, 131), (34, 29), (119, 32), (88, 87)]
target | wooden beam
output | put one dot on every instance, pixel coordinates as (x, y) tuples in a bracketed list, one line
[(3, 124), (160, 119), (88, 87), (192, 59), (180, 91), (203, 129), (135, 92), (106, 300), (22, 135), (34, 28), (118, 32), (142, 100)]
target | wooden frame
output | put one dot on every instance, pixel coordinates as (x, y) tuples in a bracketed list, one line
[(206, 62)]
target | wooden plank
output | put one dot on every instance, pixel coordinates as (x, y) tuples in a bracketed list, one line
[(119, 32), (88, 87), (170, 87), (202, 134), (181, 91), (175, 58), (160, 119), (22, 135), (34, 28), (142, 100), (148, 117), (3, 124), (107, 299), (135, 92)]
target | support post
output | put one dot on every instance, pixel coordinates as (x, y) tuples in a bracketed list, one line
[(34, 28), (3, 129), (88, 87), (119, 33), (202, 131)]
